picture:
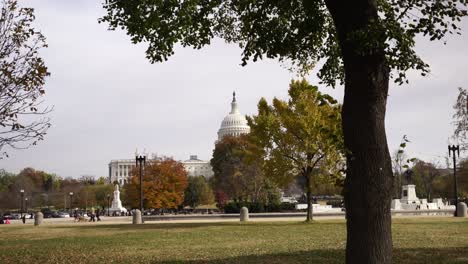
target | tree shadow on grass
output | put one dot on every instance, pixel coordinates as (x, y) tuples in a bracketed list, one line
[(332, 256)]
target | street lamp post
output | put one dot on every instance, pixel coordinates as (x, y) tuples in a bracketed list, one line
[(142, 161), (71, 202), (22, 198), (108, 204), (455, 149), (26, 204)]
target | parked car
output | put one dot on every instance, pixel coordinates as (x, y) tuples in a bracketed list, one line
[(50, 214), (15, 216), (63, 215), (7, 216)]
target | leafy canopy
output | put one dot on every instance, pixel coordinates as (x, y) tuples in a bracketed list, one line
[(198, 192), (299, 32), (164, 183), (237, 169), (300, 137)]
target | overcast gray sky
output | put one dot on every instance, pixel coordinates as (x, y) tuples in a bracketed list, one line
[(110, 100)]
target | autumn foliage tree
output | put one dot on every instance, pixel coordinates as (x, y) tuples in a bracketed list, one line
[(164, 183), (301, 137), (22, 78), (363, 44), (237, 173)]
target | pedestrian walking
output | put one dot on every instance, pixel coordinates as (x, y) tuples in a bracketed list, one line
[(23, 218)]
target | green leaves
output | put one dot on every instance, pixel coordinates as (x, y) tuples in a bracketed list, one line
[(299, 135), (299, 33)]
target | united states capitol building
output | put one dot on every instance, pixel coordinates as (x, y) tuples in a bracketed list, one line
[(234, 124)]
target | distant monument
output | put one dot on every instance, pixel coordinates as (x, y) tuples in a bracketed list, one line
[(116, 203), (410, 202), (408, 194)]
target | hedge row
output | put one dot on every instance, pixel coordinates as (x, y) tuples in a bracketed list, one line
[(257, 207)]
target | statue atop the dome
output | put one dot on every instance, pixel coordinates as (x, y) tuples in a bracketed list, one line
[(234, 96)]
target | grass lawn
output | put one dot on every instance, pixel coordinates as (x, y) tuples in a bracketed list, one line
[(416, 240)]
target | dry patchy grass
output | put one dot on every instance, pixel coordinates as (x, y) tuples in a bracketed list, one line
[(419, 240)]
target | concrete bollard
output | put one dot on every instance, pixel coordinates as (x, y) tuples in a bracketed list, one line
[(244, 214), (136, 217), (38, 217), (461, 209)]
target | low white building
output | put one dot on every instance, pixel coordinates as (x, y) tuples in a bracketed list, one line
[(120, 171), (196, 167)]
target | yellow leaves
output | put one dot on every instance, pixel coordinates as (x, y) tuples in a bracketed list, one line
[(300, 132)]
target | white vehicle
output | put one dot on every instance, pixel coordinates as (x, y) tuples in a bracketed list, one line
[(63, 215), (15, 216)]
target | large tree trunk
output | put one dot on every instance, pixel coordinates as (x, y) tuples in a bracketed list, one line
[(369, 180), (309, 217), (306, 175)]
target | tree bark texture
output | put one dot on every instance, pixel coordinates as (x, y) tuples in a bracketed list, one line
[(307, 176), (309, 206), (369, 179)]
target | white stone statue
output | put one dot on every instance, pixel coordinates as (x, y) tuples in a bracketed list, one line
[(116, 203)]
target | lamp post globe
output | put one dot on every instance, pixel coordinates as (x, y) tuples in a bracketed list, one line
[(71, 201)]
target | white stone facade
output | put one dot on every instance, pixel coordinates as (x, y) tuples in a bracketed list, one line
[(409, 201), (196, 167), (234, 124), (408, 194), (120, 170)]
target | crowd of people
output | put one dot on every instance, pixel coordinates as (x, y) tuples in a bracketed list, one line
[(93, 215)]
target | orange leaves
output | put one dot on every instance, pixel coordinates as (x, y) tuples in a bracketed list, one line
[(164, 183)]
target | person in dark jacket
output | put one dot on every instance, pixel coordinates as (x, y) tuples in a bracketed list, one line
[(97, 215)]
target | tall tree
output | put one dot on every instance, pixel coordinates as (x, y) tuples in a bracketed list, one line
[(462, 177), (164, 183), (363, 43), (425, 173), (461, 118), (198, 192), (237, 172), (22, 78), (301, 137), (6, 179)]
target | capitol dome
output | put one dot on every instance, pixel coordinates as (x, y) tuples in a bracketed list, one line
[(234, 124)]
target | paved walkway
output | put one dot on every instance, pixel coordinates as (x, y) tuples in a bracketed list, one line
[(128, 220)]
